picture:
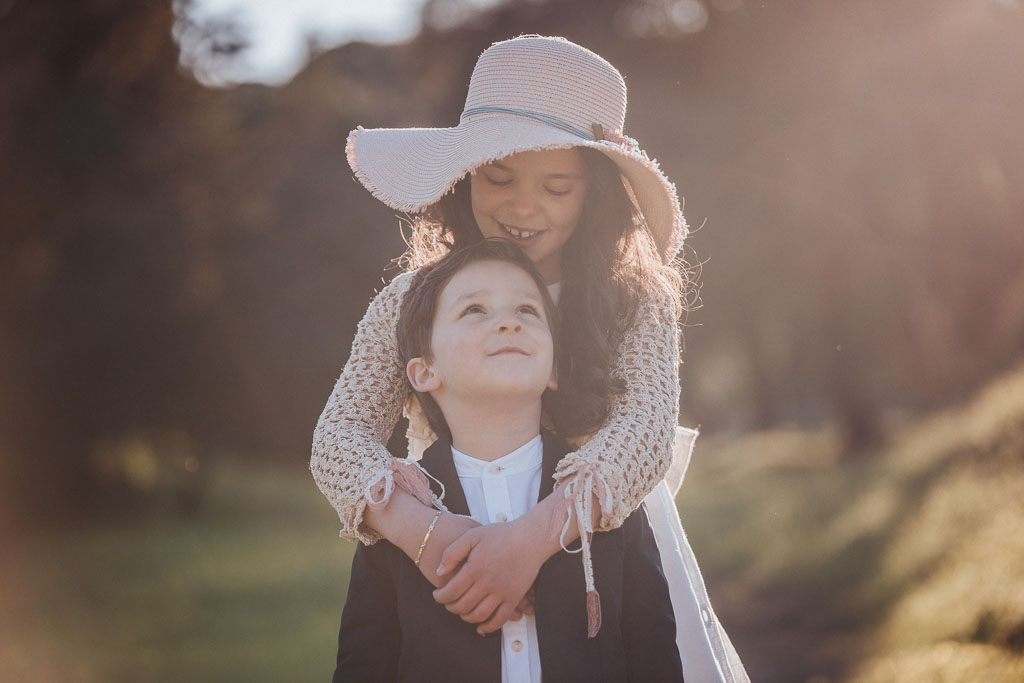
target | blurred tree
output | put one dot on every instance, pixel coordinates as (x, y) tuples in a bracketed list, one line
[(183, 260), (92, 254)]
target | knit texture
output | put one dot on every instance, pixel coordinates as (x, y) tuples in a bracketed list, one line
[(627, 457)]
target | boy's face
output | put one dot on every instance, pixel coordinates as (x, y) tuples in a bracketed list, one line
[(490, 339)]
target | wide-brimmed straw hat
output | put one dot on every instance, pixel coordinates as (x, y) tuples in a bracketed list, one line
[(527, 93)]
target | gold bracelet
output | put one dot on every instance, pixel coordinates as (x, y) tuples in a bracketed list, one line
[(426, 538)]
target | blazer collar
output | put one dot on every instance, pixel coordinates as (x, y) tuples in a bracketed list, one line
[(437, 460)]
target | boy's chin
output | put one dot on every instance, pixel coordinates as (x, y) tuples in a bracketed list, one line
[(518, 389)]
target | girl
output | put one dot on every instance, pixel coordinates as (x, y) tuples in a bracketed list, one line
[(538, 158)]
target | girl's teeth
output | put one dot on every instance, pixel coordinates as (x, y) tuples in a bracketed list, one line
[(519, 233)]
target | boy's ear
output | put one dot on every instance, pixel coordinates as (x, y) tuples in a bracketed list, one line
[(553, 382), (422, 376)]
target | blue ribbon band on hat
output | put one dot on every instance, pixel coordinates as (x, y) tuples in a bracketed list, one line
[(543, 118)]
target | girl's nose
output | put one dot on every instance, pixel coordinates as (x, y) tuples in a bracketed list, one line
[(523, 201)]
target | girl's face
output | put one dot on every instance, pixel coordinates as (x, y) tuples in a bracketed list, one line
[(533, 199)]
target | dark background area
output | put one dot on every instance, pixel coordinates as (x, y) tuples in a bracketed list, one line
[(186, 261), (184, 267)]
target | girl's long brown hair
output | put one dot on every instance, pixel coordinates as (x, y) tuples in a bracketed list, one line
[(609, 263)]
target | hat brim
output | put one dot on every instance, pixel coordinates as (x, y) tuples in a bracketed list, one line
[(411, 168)]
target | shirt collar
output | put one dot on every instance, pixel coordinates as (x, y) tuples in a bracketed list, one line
[(554, 289), (523, 459)]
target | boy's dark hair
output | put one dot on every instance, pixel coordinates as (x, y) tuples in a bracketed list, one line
[(610, 264), (416, 320)]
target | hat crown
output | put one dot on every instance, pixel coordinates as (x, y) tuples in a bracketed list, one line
[(552, 77)]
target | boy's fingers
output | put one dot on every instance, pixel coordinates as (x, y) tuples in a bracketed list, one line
[(525, 606), (456, 553), (498, 620)]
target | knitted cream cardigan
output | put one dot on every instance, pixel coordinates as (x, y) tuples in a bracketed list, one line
[(621, 463)]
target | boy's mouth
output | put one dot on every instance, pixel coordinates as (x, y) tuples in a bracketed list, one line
[(519, 234), (509, 349)]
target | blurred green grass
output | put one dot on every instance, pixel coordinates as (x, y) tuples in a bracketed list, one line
[(249, 589), (905, 564)]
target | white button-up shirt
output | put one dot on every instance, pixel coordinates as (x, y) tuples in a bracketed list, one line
[(499, 491)]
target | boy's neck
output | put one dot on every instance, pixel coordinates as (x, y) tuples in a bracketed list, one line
[(492, 431)]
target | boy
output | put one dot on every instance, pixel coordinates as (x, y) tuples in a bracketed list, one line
[(476, 335)]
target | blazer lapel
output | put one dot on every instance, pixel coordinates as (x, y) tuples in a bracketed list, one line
[(554, 449), (437, 460)]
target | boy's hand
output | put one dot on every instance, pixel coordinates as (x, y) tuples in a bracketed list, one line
[(498, 567)]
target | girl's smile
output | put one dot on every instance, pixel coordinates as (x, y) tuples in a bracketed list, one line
[(534, 199), (518, 234)]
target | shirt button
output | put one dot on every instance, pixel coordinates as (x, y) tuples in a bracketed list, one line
[(501, 517), (517, 646), (495, 469)]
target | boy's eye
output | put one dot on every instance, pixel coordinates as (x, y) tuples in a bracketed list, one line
[(472, 308), (559, 191), (528, 308)]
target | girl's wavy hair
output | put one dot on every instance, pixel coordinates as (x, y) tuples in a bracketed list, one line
[(610, 263), (419, 308)]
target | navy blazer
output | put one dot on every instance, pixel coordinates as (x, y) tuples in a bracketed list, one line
[(393, 630)]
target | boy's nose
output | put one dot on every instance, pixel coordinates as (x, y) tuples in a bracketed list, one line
[(510, 323)]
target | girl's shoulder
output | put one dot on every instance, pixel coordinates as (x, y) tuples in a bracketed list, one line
[(660, 300), (393, 292), (402, 280), (657, 289)]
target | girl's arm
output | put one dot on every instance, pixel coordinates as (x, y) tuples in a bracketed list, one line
[(611, 475), (350, 462), (632, 451), (404, 522)]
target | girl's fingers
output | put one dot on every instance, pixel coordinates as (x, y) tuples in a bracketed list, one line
[(468, 602), (483, 611), (525, 606), (454, 589), (503, 614), (457, 552)]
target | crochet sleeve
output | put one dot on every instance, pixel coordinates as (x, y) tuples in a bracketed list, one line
[(632, 451), (349, 457)]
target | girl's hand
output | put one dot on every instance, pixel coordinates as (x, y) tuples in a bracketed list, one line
[(499, 563), (404, 521), (447, 531)]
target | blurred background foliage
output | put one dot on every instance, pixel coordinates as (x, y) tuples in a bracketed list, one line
[(182, 269)]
